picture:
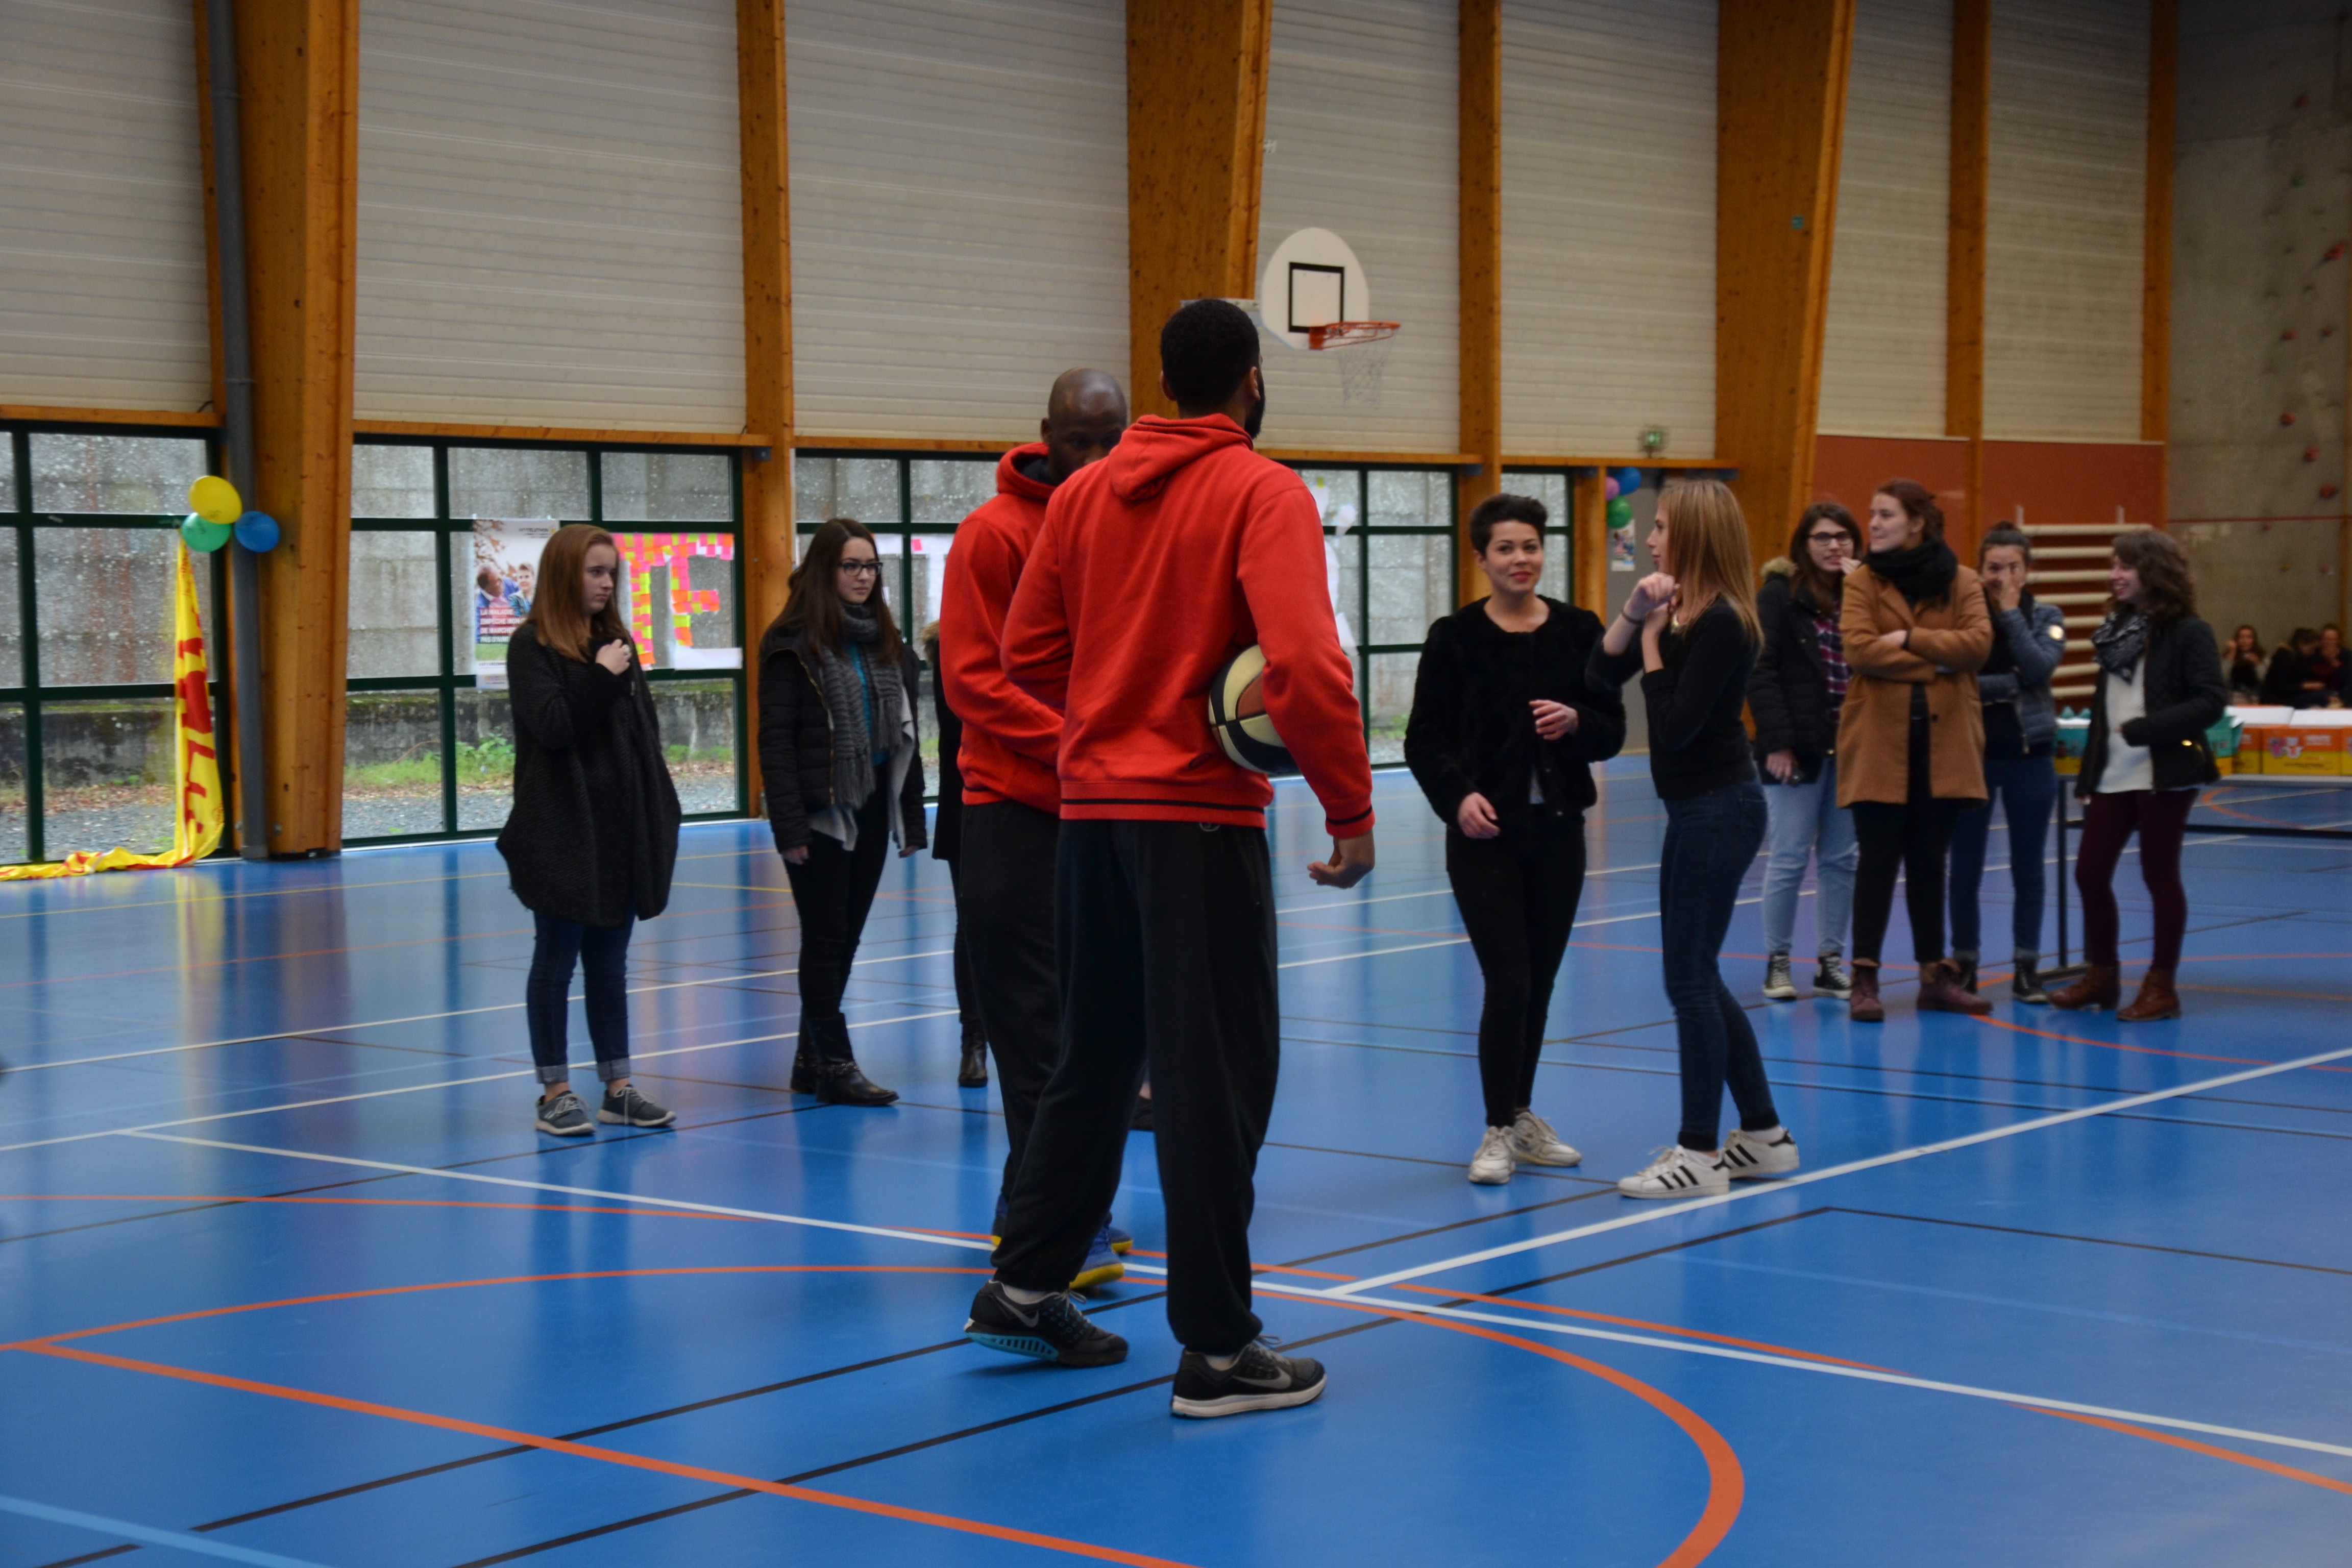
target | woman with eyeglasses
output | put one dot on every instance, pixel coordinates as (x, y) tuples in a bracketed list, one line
[(838, 747), (1795, 694)]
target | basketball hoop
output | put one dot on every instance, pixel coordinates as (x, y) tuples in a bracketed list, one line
[(1364, 354)]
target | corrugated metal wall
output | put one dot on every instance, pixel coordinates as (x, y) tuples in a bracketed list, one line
[(2065, 232), (1363, 119), (1882, 354), (549, 215), (1609, 128), (959, 191), (103, 295)]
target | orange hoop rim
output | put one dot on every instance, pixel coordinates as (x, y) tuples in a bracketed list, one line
[(1347, 334)]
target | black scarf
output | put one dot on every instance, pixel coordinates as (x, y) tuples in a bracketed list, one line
[(1922, 574), (2120, 640)]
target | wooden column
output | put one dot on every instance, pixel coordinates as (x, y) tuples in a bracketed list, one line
[(1481, 275), (1781, 101), (1964, 298), (2156, 270), (298, 75), (1195, 153), (1588, 497), (768, 541)]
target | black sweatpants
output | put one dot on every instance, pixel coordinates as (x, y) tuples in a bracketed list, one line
[(1517, 893), (1167, 932), (833, 891), (1911, 838), (1005, 915)]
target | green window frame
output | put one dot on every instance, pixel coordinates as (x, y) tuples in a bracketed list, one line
[(26, 775), (448, 684)]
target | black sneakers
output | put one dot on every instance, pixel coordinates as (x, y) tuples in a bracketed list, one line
[(1260, 1380), (1053, 1330)]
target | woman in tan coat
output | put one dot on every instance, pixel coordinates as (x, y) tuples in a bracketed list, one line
[(1910, 741)]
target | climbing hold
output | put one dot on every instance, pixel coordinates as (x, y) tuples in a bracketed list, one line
[(2335, 252), (2328, 331), (2287, 336), (2286, 418), (2311, 453), (2327, 492), (2303, 101)]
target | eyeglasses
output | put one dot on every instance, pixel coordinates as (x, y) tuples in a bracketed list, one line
[(862, 568)]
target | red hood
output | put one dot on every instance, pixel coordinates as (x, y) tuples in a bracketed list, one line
[(1153, 448), (1011, 482)]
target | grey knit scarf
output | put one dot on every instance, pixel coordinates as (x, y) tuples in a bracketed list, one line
[(854, 748), (2121, 639)]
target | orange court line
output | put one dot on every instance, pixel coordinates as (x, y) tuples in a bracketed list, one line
[(2208, 1450), (2142, 1050)]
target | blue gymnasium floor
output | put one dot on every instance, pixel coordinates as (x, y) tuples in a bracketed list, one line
[(287, 1277)]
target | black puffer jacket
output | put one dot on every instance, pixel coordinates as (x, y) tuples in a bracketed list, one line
[(593, 832), (1472, 730), (2186, 694), (796, 745), (1788, 692)]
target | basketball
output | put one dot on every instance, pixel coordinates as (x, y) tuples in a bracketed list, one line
[(1237, 713)]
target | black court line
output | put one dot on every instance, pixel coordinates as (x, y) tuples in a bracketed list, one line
[(2087, 1240)]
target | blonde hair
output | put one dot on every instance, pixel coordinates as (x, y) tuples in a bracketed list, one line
[(1708, 553)]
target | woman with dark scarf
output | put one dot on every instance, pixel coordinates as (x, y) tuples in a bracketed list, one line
[(837, 749), (2160, 689), (1910, 737)]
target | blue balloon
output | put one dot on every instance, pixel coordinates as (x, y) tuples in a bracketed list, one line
[(258, 532), (1628, 481)]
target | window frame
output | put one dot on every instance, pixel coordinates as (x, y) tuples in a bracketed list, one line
[(446, 682)]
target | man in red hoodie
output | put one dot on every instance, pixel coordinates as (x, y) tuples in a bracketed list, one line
[(1154, 567), (1012, 797)]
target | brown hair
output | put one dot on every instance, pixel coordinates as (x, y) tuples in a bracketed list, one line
[(1709, 553), (1918, 503), (2249, 626), (2166, 592), (1810, 578), (555, 613), (811, 604), (2004, 538)]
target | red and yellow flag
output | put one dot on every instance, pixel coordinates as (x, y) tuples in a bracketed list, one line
[(195, 765)]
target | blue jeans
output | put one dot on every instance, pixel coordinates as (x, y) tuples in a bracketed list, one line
[(1710, 842), (561, 946), (1808, 822), (2027, 787)]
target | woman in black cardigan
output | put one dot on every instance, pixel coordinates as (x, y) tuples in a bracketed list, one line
[(593, 836), (2160, 689), (837, 749), (1503, 733)]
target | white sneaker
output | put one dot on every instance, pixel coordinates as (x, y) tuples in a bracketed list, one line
[(1533, 1140), (1677, 1172), (1493, 1164), (1746, 1156)]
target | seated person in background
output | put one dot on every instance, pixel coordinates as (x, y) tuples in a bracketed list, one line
[(2291, 683), (2245, 658), (2328, 665)]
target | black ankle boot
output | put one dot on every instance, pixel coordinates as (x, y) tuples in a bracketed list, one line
[(842, 1083), (804, 1071), (2025, 982), (972, 1072), (1967, 965)]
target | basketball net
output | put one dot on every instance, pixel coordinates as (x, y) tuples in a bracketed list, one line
[(1360, 349)]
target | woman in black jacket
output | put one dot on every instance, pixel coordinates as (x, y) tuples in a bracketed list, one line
[(1795, 694), (947, 844), (2160, 689), (1504, 731), (593, 836), (838, 747)]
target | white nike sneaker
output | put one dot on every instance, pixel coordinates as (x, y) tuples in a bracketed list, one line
[(1677, 1172), (1746, 1156), (1493, 1164), (1533, 1140)]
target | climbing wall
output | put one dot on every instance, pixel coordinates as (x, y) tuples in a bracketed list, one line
[(2262, 214)]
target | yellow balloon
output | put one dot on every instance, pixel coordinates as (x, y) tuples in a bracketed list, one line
[(215, 500)]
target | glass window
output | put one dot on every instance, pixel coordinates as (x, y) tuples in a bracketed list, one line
[(12, 629), (677, 595), (942, 491), (1334, 489), (668, 487), (15, 845), (928, 564), (107, 775), (395, 611), (698, 731), (485, 759), (104, 599), (1412, 584), (864, 488), (7, 472), (392, 763), (504, 482), (1390, 704), (392, 482), (130, 475), (1414, 498)]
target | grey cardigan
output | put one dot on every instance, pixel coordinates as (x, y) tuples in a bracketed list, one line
[(2036, 636)]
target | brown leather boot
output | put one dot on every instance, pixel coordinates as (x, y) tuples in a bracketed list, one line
[(2099, 987), (1940, 991), (2157, 998), (1863, 1005)]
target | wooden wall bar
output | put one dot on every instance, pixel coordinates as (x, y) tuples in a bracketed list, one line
[(298, 75), (1481, 275), (767, 337), (1964, 298), (1195, 153), (1780, 75)]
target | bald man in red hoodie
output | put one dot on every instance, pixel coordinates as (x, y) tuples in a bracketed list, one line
[(1155, 567), (1011, 794)]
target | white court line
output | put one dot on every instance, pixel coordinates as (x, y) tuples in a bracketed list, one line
[(441, 1083), (634, 1199), (1765, 1189), (456, 1012), (1455, 942)]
